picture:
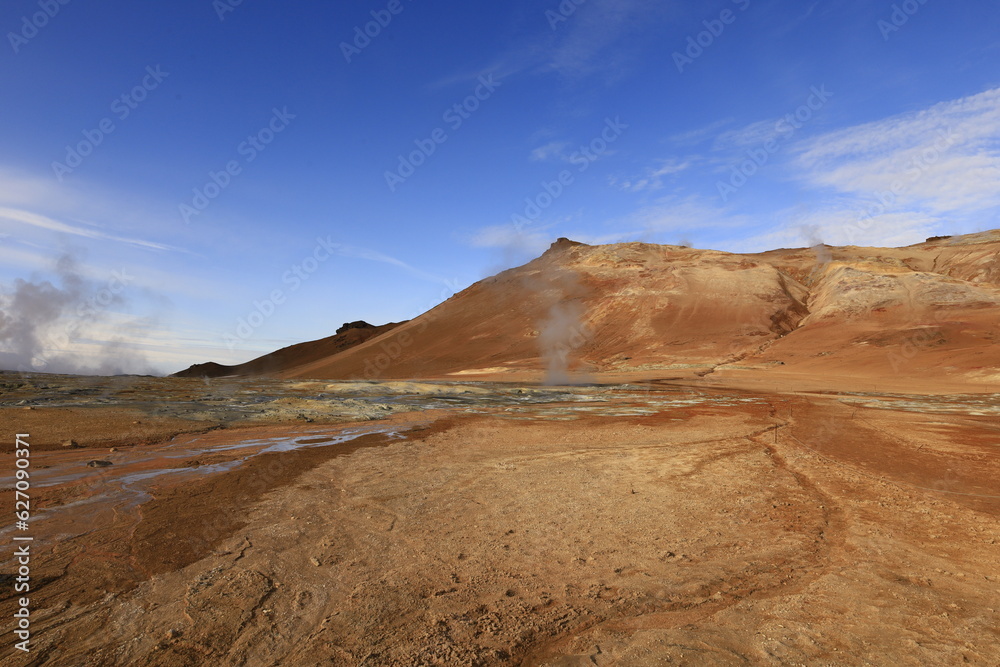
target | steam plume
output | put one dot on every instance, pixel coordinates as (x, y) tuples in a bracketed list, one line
[(41, 324)]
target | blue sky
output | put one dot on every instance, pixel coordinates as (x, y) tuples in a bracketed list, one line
[(204, 180)]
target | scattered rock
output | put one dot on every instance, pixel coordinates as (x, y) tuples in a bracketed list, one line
[(99, 464), (70, 444), (173, 633), (113, 449), (315, 561)]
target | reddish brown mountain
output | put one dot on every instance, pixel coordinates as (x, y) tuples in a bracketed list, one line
[(825, 316), (834, 316), (347, 336)]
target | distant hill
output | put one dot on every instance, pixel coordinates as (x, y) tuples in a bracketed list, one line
[(927, 312), (346, 337)]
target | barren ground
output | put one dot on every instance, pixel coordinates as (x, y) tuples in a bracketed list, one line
[(488, 525)]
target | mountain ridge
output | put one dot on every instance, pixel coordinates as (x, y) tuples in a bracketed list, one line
[(347, 336), (581, 312)]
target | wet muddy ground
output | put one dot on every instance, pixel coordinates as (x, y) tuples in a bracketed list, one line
[(403, 523)]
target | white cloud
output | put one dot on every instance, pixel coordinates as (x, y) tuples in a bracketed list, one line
[(840, 225), (944, 159), (83, 205), (580, 46), (685, 216), (593, 28), (892, 182), (749, 136), (22, 258), (11, 215), (375, 256), (551, 150), (531, 242), (652, 179), (701, 134)]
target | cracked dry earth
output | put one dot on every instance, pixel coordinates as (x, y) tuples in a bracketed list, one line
[(793, 530)]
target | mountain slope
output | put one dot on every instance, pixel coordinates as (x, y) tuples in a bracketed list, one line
[(928, 310), (347, 336)]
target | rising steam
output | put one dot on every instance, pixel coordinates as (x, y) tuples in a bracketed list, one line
[(823, 254), (562, 327), (561, 334), (55, 328)]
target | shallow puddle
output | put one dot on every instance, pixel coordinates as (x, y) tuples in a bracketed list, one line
[(129, 481)]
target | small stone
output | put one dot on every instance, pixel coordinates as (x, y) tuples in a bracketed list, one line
[(70, 444), (315, 561), (173, 633), (113, 449), (99, 464)]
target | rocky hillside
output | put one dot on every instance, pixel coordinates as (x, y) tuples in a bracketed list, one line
[(928, 310)]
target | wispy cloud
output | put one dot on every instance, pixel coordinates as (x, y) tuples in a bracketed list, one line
[(530, 242), (748, 136), (945, 159), (376, 256), (11, 215), (891, 182), (580, 46), (701, 134), (593, 29), (550, 151), (836, 224), (652, 179), (795, 22), (94, 317), (691, 217)]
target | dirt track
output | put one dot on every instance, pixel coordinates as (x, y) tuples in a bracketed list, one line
[(740, 529)]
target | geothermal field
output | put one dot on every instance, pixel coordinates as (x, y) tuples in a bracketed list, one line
[(626, 454)]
